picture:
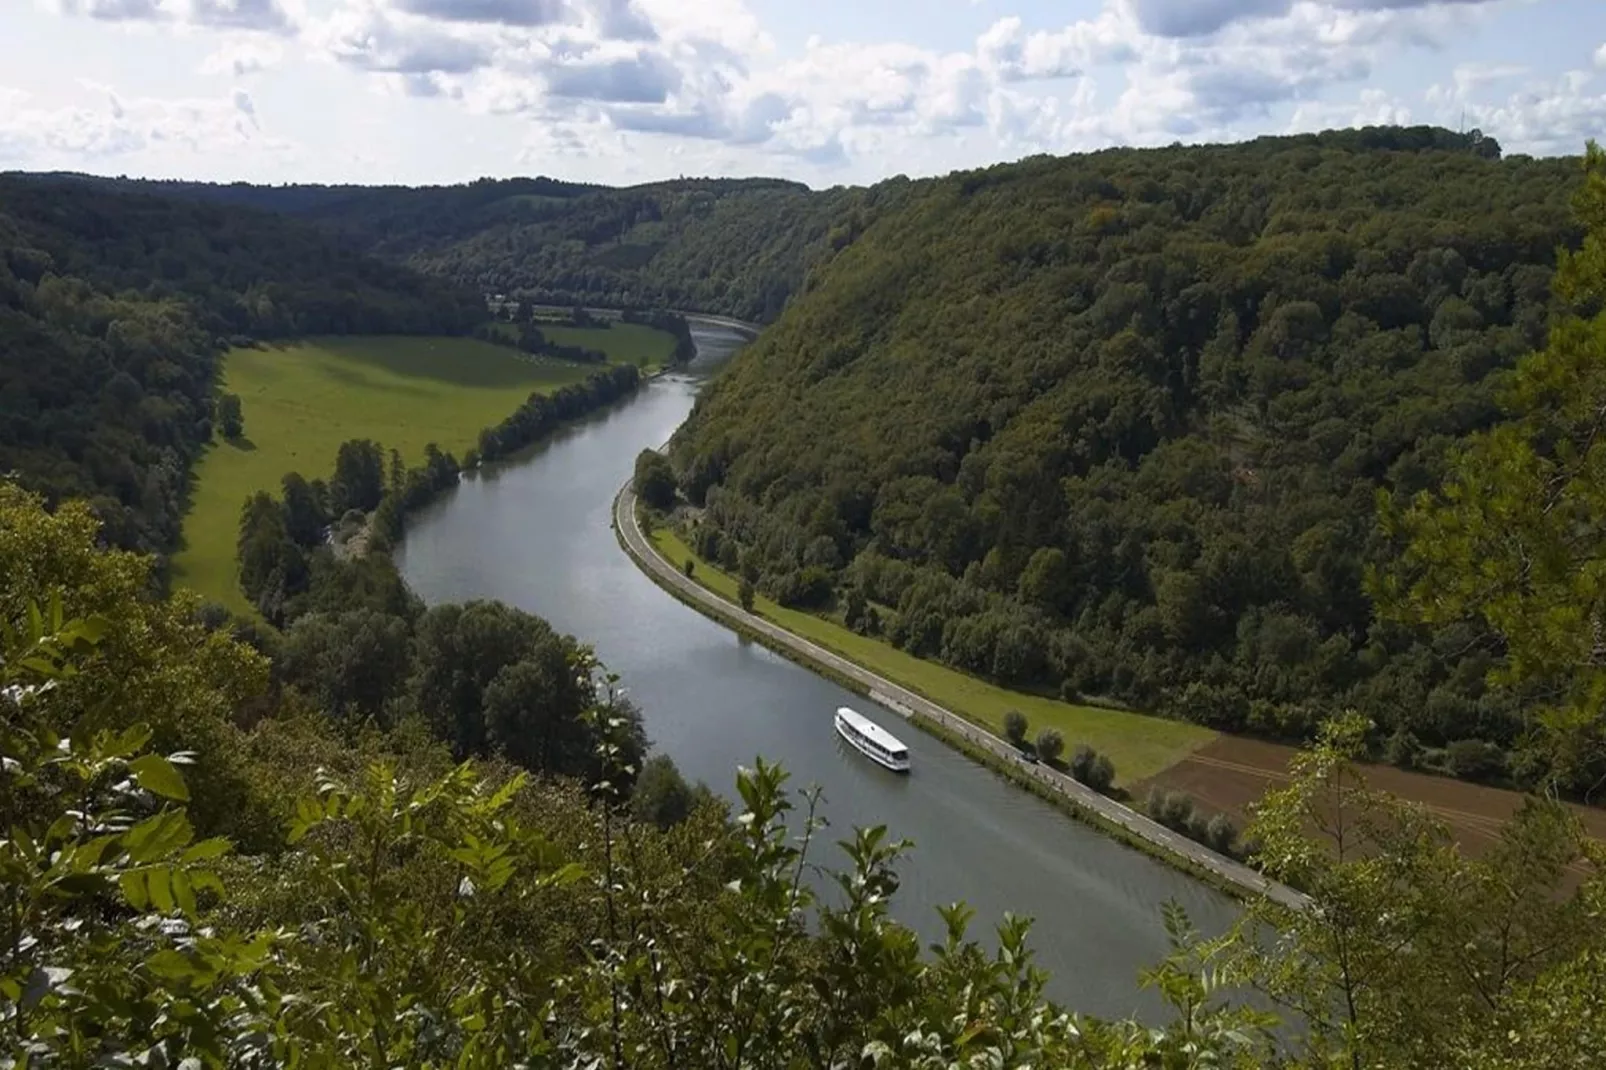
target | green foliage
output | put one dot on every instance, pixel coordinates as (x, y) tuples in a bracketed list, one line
[(739, 247), (745, 593), (309, 398), (113, 306), (654, 480), (1050, 745), (1496, 555), (661, 795), (1413, 954), (230, 417), (1111, 425), (1475, 759), (1015, 727)]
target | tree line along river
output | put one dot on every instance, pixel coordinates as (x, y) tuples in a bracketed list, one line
[(534, 532)]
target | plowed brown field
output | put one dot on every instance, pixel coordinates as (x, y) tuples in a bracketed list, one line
[(1230, 773)]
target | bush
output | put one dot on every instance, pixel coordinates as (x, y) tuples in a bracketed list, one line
[(744, 594), (1050, 745), (1175, 811), (1102, 776), (654, 480), (1221, 834), (1403, 750), (661, 796), (1475, 759), (1082, 759), (1015, 727), (689, 567)]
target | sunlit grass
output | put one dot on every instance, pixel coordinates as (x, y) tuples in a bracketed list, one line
[(1139, 745)]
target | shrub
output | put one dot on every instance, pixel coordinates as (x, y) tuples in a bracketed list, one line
[(689, 567), (1176, 811), (1403, 750), (744, 594), (1015, 727), (1050, 745), (1475, 759), (1221, 834), (1082, 760), (1102, 776), (661, 795)]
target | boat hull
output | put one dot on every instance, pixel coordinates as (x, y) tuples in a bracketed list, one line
[(860, 746)]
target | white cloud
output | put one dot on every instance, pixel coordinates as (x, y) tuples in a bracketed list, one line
[(1544, 118), (243, 56), (121, 127), (1600, 56)]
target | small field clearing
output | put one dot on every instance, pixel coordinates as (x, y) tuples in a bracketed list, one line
[(1231, 773)]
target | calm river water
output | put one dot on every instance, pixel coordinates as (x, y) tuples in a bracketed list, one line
[(534, 532)]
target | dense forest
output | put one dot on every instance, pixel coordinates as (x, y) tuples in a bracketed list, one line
[(114, 309), (737, 247), (1114, 425)]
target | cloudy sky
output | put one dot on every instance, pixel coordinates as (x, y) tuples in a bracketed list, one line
[(823, 91)]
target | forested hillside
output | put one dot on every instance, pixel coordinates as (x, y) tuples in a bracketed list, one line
[(1113, 425), (113, 309), (737, 247)]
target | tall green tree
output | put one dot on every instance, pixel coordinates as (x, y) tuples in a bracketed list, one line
[(1511, 544), (654, 480), (230, 416)]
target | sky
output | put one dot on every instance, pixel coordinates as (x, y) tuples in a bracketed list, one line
[(826, 92)]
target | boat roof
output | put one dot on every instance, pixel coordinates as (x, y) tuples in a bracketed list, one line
[(870, 730)]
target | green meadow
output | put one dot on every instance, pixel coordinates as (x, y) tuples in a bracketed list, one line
[(626, 343), (1138, 744), (302, 401)]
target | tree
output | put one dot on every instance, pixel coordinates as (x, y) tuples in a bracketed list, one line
[(745, 593), (1082, 759), (305, 517), (1396, 909), (230, 418), (654, 480), (1050, 745), (1498, 546), (1220, 834), (1101, 777), (661, 796), (1475, 759), (1015, 727), (353, 664), (359, 479)]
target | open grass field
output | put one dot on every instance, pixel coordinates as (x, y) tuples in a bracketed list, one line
[(302, 401), (625, 343), (1231, 773), (1140, 746)]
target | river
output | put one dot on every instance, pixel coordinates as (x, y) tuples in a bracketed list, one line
[(534, 532)]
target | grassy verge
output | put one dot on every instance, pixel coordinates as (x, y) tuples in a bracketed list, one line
[(723, 584), (301, 401), (1139, 745)]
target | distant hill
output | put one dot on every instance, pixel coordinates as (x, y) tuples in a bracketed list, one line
[(114, 306), (739, 247), (1113, 424)]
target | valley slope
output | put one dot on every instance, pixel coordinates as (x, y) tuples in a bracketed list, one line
[(1113, 425)]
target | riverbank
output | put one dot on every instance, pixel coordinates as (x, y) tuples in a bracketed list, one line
[(1069, 795)]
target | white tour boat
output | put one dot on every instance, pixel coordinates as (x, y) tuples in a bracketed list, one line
[(871, 740)]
